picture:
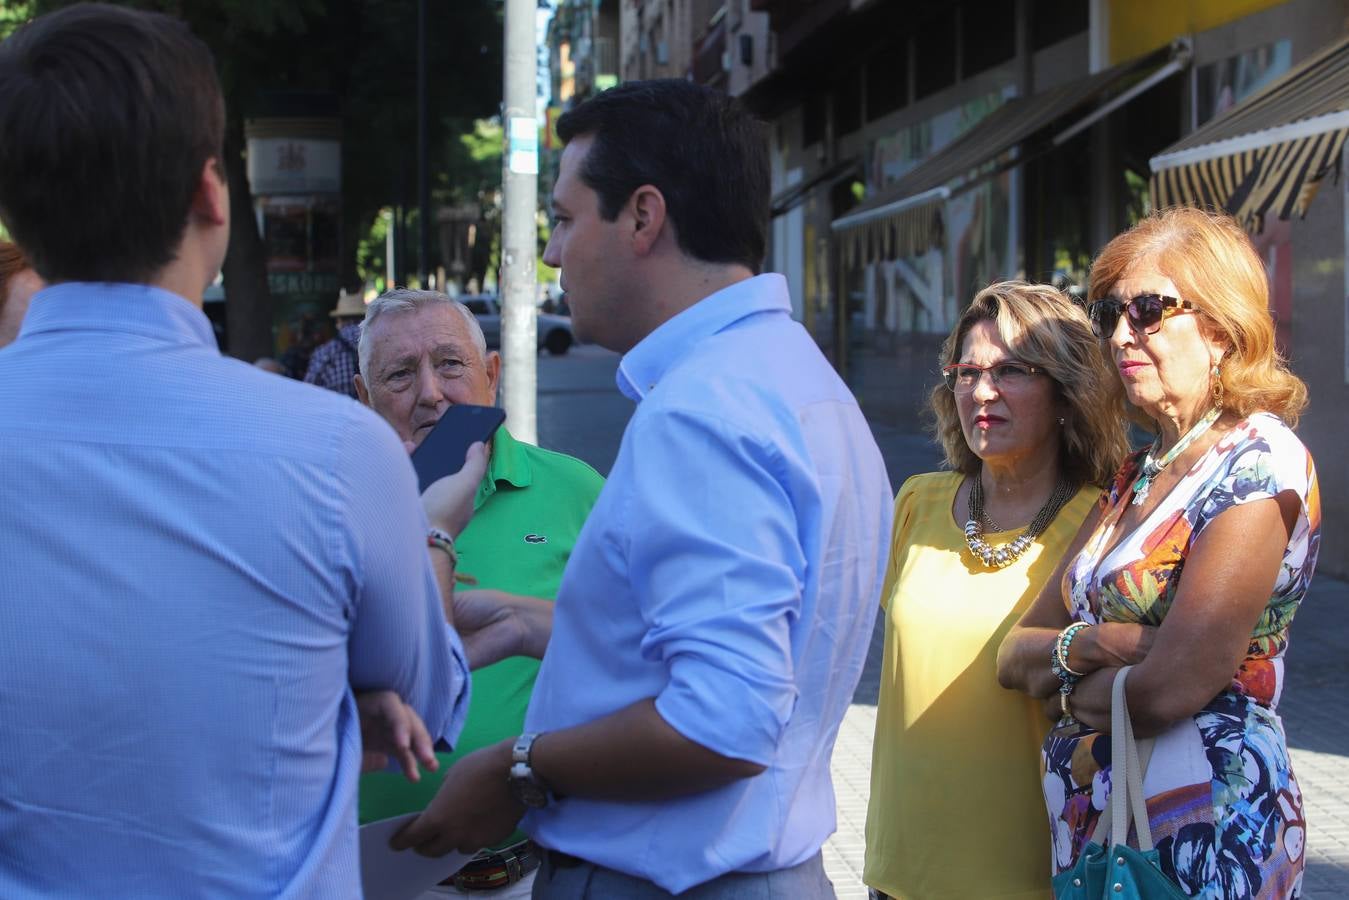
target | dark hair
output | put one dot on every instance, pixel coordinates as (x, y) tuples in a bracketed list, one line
[(12, 262), (706, 155), (107, 116)]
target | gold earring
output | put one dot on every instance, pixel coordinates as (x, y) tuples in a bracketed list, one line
[(1216, 377)]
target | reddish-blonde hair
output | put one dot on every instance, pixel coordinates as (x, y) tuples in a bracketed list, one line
[(1212, 262)]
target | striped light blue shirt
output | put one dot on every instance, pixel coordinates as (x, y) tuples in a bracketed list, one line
[(198, 561), (731, 569)]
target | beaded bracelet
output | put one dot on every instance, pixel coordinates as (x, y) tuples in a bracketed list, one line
[(1058, 654), (441, 540), (1058, 664)]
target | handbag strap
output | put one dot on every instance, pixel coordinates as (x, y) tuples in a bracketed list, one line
[(1128, 761)]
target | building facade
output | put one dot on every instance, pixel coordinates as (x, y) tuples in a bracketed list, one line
[(922, 149)]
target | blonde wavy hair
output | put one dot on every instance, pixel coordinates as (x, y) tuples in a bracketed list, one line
[(1213, 264), (1046, 329)]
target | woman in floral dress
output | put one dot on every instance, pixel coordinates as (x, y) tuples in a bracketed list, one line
[(1192, 569)]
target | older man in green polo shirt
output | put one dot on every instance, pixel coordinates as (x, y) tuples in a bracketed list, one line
[(420, 353)]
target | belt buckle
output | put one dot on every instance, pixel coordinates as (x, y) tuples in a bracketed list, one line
[(504, 867)]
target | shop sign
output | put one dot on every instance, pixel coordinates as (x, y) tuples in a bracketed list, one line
[(294, 166), (284, 283)]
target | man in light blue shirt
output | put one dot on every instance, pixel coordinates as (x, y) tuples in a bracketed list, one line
[(716, 612), (201, 561)]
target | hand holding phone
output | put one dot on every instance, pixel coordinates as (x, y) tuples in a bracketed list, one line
[(442, 452), (448, 502)]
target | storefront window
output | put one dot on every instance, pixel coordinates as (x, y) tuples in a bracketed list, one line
[(1221, 85)]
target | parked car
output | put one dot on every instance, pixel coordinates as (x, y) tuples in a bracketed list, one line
[(554, 331)]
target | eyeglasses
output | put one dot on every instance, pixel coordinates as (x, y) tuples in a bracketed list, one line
[(962, 377), (1146, 312)]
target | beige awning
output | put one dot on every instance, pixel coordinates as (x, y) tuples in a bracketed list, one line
[(905, 219), (1269, 153)]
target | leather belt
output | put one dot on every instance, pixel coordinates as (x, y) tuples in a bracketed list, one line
[(565, 860), (492, 869)]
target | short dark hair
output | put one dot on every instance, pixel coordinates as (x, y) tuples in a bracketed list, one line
[(107, 116), (12, 262), (704, 152)]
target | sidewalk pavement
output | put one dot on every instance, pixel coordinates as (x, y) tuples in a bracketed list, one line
[(1314, 707)]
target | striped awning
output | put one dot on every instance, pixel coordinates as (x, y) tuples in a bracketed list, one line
[(905, 219), (1269, 153), (904, 228)]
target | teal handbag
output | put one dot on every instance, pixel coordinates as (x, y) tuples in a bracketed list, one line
[(1123, 873)]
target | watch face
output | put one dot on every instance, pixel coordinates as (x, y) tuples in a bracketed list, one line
[(526, 787), (530, 794)]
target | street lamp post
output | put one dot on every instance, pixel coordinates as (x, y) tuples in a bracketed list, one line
[(519, 229)]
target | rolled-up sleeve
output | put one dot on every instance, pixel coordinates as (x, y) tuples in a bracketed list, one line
[(716, 561), (399, 639)]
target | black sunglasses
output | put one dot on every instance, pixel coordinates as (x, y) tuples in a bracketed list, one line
[(1146, 312)]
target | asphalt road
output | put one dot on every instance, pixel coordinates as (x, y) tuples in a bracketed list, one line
[(580, 411)]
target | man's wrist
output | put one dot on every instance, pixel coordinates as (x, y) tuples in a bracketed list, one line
[(439, 539), (439, 523), (536, 621), (526, 786)]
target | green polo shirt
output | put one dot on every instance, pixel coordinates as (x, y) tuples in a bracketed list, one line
[(527, 514)]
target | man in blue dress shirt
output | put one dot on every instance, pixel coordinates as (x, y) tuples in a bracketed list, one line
[(716, 612), (201, 562)]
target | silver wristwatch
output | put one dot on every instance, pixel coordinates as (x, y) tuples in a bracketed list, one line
[(526, 787)]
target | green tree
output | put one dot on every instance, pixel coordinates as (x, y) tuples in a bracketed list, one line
[(362, 51), (473, 176)]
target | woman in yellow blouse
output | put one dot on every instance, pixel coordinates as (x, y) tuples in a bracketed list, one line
[(1031, 422)]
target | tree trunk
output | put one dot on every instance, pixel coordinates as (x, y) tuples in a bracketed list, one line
[(248, 299)]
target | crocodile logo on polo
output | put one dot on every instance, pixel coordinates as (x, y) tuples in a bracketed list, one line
[(532, 538)]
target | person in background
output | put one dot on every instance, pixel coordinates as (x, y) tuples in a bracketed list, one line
[(334, 365), (1192, 572), (203, 564), (303, 338), (1031, 423), (421, 353), (18, 283), (267, 364)]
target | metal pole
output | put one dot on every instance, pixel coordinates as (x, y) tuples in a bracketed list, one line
[(390, 267), (423, 184), (519, 230)]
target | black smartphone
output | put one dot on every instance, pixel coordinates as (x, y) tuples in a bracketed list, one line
[(445, 448)]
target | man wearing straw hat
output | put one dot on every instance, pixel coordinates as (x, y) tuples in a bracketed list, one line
[(335, 364)]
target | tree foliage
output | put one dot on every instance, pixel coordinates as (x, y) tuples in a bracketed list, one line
[(365, 53)]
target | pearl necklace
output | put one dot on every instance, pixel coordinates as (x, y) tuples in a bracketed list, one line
[(1001, 557)]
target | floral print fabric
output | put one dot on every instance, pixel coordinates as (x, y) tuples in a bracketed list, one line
[(1224, 806)]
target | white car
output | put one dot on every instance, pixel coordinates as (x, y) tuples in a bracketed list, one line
[(554, 331)]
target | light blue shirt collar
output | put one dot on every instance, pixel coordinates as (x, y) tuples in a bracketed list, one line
[(642, 367), (127, 308)]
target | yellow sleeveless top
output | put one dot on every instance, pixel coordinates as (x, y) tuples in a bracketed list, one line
[(956, 809)]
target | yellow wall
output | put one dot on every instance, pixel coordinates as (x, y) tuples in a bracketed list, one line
[(1137, 26)]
